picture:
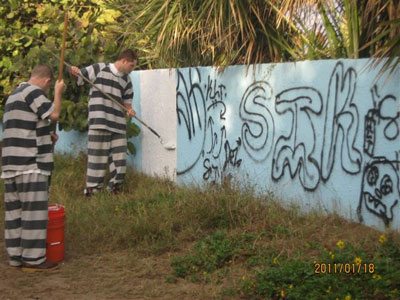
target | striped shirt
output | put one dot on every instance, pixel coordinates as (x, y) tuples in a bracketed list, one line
[(104, 113), (27, 142)]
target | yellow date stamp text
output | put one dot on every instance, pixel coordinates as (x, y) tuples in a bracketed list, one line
[(344, 268)]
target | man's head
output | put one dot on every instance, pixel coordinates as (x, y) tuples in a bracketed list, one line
[(126, 61), (42, 75)]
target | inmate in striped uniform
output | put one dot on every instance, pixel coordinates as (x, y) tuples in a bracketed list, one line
[(27, 161), (107, 124)]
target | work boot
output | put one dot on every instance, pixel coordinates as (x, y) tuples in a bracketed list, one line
[(90, 191), (114, 190), (43, 267)]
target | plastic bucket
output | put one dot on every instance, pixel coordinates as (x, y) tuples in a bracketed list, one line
[(55, 246)]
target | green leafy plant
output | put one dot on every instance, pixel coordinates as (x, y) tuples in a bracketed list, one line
[(31, 30), (209, 254), (214, 252), (342, 272)]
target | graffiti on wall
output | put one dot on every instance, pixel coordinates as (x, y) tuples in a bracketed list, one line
[(380, 187), (191, 114), (256, 112), (304, 133), (380, 192), (201, 110), (299, 152)]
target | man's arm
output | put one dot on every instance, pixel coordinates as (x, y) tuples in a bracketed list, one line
[(58, 90)]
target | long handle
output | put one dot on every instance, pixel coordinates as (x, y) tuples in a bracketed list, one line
[(60, 69)]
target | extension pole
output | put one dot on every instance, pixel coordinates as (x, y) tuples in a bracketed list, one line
[(60, 70), (61, 67)]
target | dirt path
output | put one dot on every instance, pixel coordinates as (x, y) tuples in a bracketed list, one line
[(121, 275)]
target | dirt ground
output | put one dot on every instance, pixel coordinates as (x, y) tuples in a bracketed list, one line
[(122, 275)]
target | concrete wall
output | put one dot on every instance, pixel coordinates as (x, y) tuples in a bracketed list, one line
[(321, 134), (324, 135)]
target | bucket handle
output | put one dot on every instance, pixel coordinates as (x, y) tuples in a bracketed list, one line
[(56, 243), (54, 207)]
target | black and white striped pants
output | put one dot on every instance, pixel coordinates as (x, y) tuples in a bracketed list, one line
[(105, 147), (26, 213)]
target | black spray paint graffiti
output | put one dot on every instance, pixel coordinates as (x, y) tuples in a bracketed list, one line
[(258, 128), (212, 170), (298, 151), (381, 122), (306, 149), (341, 116), (203, 114), (295, 151), (380, 189), (191, 114), (216, 108), (216, 95), (380, 192)]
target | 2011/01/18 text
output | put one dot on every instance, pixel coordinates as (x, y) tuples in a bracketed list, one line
[(345, 268)]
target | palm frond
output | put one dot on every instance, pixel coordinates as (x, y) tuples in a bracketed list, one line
[(176, 33)]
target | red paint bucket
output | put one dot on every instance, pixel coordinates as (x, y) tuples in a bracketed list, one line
[(55, 245)]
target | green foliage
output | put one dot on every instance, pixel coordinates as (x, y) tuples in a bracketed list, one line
[(182, 33), (29, 29), (210, 254), (73, 115), (132, 130), (344, 272)]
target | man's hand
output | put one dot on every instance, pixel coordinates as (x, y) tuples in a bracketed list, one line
[(59, 87), (54, 137), (74, 71), (131, 112)]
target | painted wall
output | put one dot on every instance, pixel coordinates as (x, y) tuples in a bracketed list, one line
[(320, 134), (323, 135), (157, 98)]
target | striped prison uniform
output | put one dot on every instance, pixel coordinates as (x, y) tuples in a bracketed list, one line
[(105, 147), (27, 162), (107, 124)]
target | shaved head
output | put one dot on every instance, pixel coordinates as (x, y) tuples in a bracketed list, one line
[(42, 71)]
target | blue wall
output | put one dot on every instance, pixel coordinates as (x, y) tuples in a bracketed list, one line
[(136, 160), (320, 134)]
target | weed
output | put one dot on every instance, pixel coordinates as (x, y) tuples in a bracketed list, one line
[(344, 272), (239, 244), (210, 254)]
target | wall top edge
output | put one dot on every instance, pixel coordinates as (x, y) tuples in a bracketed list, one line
[(300, 62)]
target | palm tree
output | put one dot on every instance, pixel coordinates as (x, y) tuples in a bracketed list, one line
[(349, 28), (179, 33)]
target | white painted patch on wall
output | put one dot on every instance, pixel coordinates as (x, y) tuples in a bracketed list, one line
[(158, 98)]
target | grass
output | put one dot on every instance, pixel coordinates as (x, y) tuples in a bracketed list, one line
[(238, 244)]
